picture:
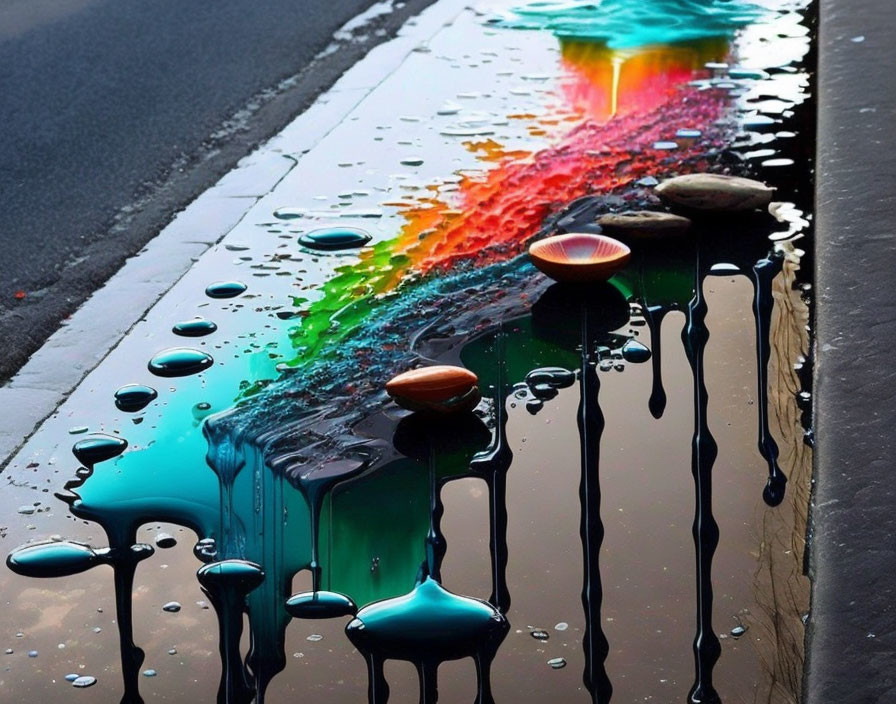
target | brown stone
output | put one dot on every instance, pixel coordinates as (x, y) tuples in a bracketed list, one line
[(644, 224), (715, 193), (439, 389)]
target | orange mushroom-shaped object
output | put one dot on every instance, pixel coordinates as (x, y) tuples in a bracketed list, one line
[(579, 257), (439, 389)]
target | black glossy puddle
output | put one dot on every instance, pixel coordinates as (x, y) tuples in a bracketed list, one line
[(623, 516)]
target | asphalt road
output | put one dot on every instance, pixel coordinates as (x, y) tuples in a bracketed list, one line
[(114, 114)]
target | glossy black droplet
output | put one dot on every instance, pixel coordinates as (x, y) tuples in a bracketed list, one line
[(334, 238), (225, 289), (98, 448), (134, 397), (194, 328), (635, 352), (179, 361), (554, 376)]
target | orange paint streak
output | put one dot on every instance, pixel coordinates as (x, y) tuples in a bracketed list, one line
[(493, 214)]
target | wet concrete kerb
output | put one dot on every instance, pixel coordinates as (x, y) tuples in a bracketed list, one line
[(95, 329), (852, 636)]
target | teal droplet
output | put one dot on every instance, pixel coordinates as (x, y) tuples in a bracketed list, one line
[(225, 289), (180, 361), (134, 397), (334, 238), (241, 575), (430, 623), (194, 328), (320, 604), (98, 448), (52, 559)]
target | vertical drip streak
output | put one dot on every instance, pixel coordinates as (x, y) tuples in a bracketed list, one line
[(124, 567), (591, 424), (655, 316), (435, 541), (764, 271), (493, 464), (705, 529), (266, 622)]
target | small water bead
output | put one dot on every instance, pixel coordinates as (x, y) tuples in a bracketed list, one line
[(9, 651), (557, 663), (150, 673), (774, 163), (686, 133), (665, 146), (71, 678), (180, 361), (172, 607), (194, 328), (85, 681), (26, 510), (134, 397), (412, 161), (540, 634), (32, 653), (201, 410), (315, 637), (635, 352), (330, 239), (738, 631), (225, 289), (562, 626), (77, 430), (172, 651)]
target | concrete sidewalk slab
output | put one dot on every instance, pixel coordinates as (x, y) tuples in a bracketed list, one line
[(852, 637)]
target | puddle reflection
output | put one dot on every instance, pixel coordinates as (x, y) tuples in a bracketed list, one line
[(312, 474)]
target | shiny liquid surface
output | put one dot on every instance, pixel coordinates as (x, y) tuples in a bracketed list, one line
[(622, 517)]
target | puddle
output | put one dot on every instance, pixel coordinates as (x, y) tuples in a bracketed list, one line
[(623, 514)]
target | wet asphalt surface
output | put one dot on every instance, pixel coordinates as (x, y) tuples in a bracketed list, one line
[(115, 115)]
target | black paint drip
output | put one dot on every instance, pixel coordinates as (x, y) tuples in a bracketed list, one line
[(704, 450), (764, 272)]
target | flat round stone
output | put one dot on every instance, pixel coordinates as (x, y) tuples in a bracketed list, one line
[(715, 193), (644, 223)]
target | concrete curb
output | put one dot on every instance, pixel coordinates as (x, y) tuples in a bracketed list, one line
[(852, 634), (85, 339)]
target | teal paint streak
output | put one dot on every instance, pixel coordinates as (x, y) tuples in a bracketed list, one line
[(624, 24)]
